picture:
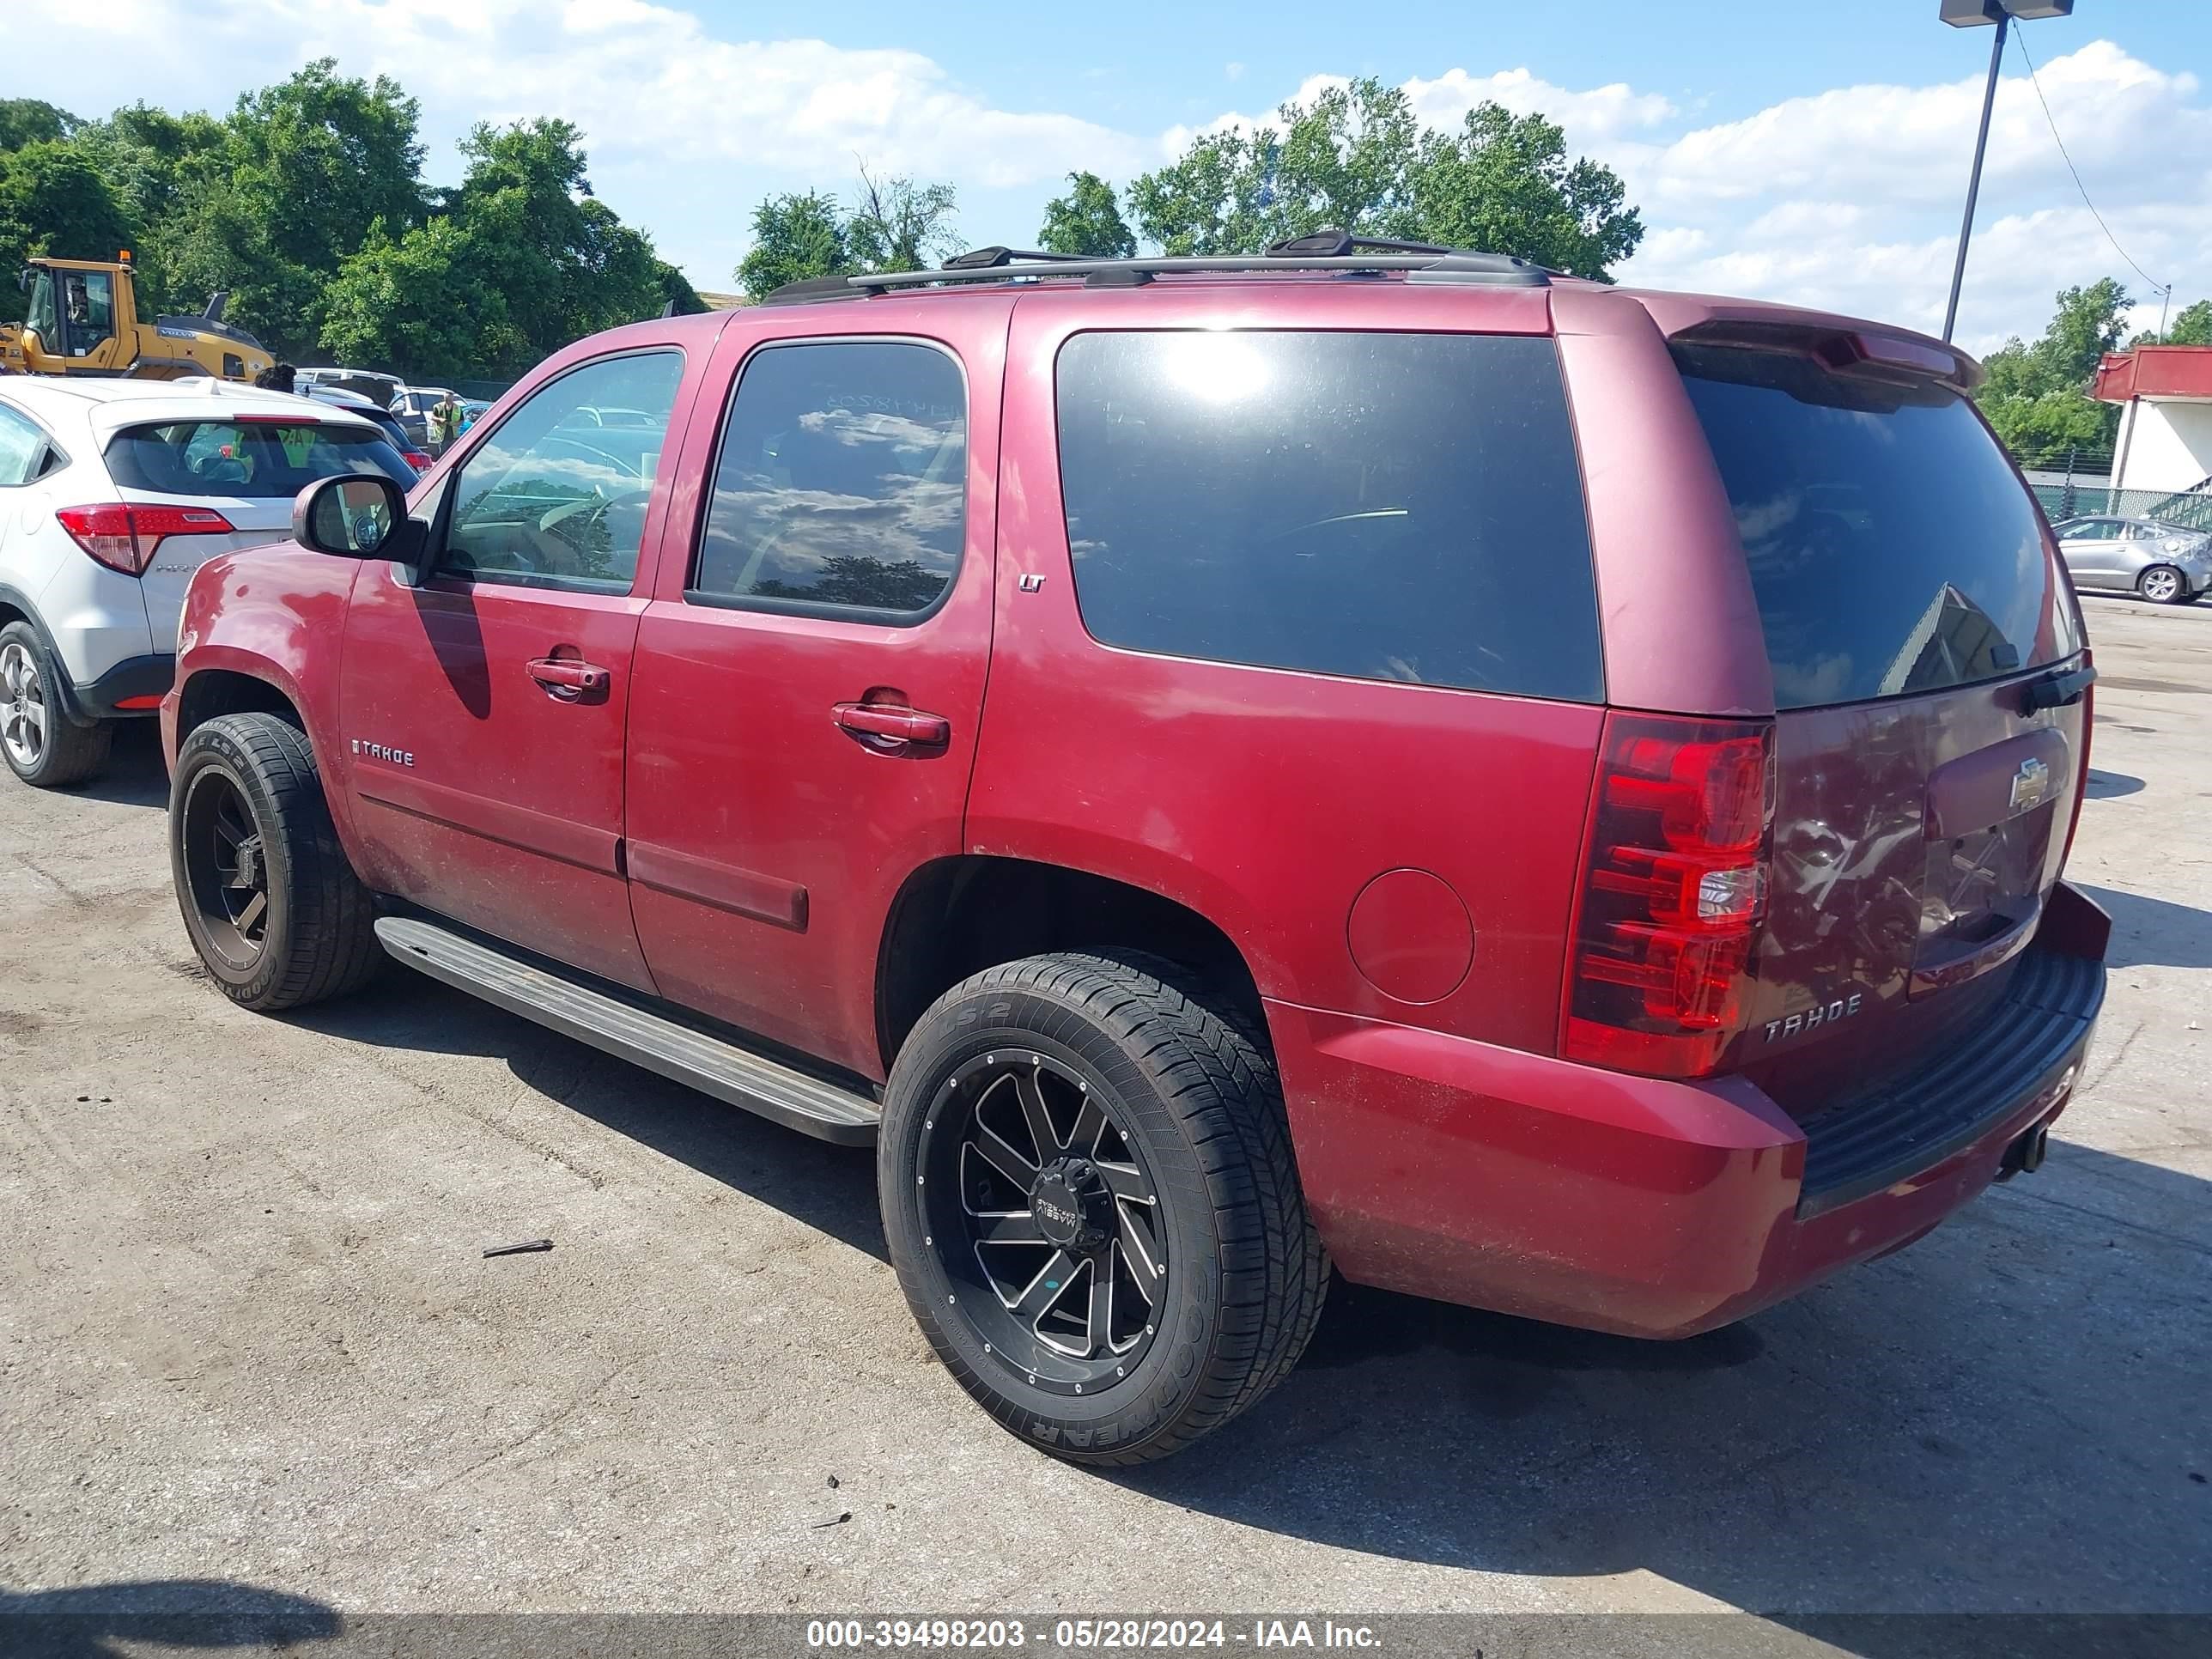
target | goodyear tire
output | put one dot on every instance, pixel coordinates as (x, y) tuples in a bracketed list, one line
[(273, 907), (1090, 1199)]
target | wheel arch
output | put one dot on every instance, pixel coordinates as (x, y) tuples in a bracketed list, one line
[(217, 679), (16, 606), (958, 916), (207, 692)]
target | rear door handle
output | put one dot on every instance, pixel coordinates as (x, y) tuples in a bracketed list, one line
[(564, 676), (893, 724)]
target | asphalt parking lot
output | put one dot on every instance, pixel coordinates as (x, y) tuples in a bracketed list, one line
[(247, 1335)]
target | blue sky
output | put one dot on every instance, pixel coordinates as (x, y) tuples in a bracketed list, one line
[(1787, 149)]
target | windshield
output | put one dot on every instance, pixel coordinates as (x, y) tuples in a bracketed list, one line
[(251, 460), (1892, 547)]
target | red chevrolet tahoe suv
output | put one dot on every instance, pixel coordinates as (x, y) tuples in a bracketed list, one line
[(1539, 794)]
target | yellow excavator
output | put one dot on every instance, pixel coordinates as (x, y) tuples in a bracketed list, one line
[(82, 318)]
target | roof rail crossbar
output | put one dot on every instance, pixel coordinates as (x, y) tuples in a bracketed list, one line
[(1339, 241), (990, 259)]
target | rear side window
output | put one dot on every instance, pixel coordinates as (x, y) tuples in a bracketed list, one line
[(842, 482), (22, 448), (253, 461), (1892, 548), (1387, 507)]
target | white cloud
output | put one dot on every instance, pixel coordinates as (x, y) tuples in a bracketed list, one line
[(1599, 113), (1850, 199), (1847, 197), (669, 110)]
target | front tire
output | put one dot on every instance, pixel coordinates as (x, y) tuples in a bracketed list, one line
[(2163, 585), (1090, 1196), (43, 745), (271, 904)]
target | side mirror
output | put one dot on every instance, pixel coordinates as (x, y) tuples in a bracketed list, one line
[(26, 278), (355, 516)]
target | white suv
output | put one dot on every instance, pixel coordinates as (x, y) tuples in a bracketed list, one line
[(112, 493)]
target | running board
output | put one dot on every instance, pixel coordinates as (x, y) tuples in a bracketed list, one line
[(659, 1044)]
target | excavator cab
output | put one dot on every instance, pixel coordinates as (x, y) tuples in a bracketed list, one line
[(72, 312)]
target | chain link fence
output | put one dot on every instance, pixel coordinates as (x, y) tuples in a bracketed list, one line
[(2085, 497)]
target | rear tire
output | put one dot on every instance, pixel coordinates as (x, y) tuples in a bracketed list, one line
[(2163, 585), (272, 903), (43, 745), (1192, 1115)]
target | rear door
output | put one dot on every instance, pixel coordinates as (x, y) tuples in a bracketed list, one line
[(1917, 623), (809, 681), (484, 706), (2090, 548)]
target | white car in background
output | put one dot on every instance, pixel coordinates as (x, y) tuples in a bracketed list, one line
[(112, 493)]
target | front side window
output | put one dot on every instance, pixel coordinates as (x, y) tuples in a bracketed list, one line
[(91, 309), (552, 499), (842, 481), (1383, 507), (43, 317), (248, 459)]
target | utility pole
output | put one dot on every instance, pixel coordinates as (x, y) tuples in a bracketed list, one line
[(1974, 179), (1971, 13)]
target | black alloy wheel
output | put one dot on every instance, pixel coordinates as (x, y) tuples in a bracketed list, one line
[(1045, 1216), (1091, 1200), (273, 908), (226, 870)]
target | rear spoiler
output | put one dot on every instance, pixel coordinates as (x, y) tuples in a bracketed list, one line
[(1844, 345)]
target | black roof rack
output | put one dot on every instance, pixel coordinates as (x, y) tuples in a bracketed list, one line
[(1324, 250)]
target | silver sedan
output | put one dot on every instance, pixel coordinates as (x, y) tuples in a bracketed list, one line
[(2166, 562)]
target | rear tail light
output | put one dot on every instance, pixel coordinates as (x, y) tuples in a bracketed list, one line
[(1673, 893), (418, 460), (123, 535)]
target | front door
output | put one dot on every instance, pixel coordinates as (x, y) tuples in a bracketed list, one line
[(484, 706), (809, 681)]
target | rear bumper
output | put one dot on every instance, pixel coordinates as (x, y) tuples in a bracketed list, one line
[(129, 681), (1450, 1168)]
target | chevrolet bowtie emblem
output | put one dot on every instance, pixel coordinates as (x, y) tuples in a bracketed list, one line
[(2029, 785)]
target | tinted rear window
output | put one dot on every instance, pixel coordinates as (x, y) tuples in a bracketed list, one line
[(252, 461), (1892, 548), (1389, 507)]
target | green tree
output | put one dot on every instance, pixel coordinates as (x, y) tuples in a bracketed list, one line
[(159, 166), (2036, 396), (54, 203), (1345, 161), (1503, 183), (33, 121), (1354, 158), (794, 237), (899, 225), (563, 261), (420, 304), (2192, 328), (2087, 325), (323, 157), (1086, 221)]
